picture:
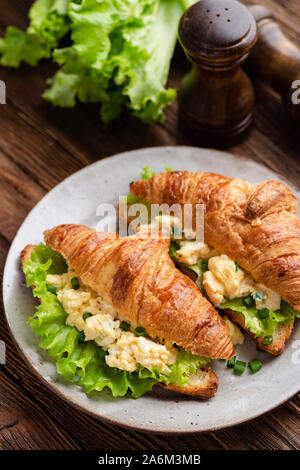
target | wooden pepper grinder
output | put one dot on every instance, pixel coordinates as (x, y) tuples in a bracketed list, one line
[(216, 98), (276, 60)]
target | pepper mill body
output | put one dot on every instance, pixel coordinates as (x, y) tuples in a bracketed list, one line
[(276, 59), (216, 97)]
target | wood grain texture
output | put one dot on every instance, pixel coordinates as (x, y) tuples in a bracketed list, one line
[(39, 147)]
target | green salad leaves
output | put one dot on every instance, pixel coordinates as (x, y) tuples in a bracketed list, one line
[(82, 361), (262, 326), (49, 23), (119, 54)]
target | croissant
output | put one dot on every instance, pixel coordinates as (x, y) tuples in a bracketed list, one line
[(136, 275), (256, 225), (201, 384)]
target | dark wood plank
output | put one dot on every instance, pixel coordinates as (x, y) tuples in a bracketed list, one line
[(39, 147), (287, 12), (24, 425)]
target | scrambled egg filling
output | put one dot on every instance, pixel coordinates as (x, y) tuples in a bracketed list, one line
[(88, 312), (168, 225), (192, 252), (224, 279), (236, 335)]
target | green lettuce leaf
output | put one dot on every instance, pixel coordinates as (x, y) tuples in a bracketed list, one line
[(147, 173), (117, 57), (257, 326), (287, 310), (84, 362), (48, 24)]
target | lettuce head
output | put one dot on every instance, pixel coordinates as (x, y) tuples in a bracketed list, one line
[(118, 55)]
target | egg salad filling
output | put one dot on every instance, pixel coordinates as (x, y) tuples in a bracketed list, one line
[(223, 281), (98, 320), (89, 341)]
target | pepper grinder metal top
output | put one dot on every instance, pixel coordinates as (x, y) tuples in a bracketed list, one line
[(216, 97)]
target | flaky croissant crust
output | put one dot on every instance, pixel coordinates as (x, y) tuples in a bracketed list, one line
[(256, 225), (138, 277)]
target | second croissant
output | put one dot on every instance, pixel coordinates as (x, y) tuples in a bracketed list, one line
[(249, 263)]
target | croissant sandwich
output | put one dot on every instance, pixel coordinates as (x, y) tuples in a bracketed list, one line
[(249, 262), (116, 312)]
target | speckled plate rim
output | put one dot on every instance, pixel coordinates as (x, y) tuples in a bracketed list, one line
[(154, 427)]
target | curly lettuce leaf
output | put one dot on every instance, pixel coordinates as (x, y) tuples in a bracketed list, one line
[(122, 50), (84, 362), (260, 327), (143, 66), (119, 56), (48, 24), (147, 173)]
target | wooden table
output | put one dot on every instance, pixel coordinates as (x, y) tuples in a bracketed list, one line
[(39, 147)]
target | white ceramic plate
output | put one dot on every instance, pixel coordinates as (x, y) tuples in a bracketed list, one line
[(75, 200)]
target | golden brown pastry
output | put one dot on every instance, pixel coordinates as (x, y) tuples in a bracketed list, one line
[(138, 277), (255, 225), (203, 384)]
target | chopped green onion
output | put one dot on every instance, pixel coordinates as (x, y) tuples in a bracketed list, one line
[(204, 264), (51, 289), (254, 365), (124, 326), (75, 283), (169, 168), (81, 338), (267, 340), (87, 315), (259, 296), (248, 301), (140, 331), (264, 313), (236, 266), (230, 363), (239, 367)]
